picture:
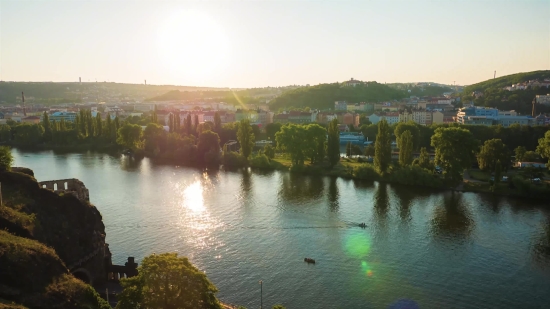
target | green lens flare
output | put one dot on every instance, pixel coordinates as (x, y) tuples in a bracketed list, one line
[(357, 245)]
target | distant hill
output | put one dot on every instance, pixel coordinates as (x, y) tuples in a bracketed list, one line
[(323, 96), (423, 89), (51, 93), (507, 80), (494, 94)]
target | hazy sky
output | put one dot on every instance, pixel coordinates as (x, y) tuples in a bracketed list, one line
[(271, 43)]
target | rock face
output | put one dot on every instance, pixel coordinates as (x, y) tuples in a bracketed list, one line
[(66, 222)]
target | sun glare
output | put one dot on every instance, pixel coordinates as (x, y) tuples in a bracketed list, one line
[(193, 199), (192, 45)]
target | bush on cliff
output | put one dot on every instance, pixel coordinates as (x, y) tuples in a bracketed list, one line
[(6, 158), (33, 275)]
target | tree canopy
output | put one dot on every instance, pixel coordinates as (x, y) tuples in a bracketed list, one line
[(454, 150), (491, 152), (166, 281), (382, 147)]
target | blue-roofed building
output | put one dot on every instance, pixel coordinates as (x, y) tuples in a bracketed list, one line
[(355, 138), (57, 116)]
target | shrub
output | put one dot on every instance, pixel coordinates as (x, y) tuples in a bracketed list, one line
[(366, 171), (260, 161), (6, 158), (415, 175), (233, 159)]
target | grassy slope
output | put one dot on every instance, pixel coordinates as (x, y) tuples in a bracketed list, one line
[(31, 273), (323, 96), (507, 80)]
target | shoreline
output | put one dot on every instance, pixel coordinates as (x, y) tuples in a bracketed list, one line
[(344, 170)]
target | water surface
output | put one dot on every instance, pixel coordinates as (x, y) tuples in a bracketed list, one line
[(437, 249)]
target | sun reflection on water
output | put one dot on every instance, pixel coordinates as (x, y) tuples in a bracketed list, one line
[(196, 222)]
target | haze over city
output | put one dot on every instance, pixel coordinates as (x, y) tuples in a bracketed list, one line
[(271, 43)]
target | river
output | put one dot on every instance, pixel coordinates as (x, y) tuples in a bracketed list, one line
[(436, 249)]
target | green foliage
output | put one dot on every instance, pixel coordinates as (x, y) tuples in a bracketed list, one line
[(129, 135), (279, 307), (245, 136), (491, 152), (167, 281), (544, 147), (323, 96), (269, 151), (412, 127), (333, 143), (369, 131), (5, 133), (520, 153), (415, 175), (316, 142), (348, 149), (424, 160), (232, 159), (6, 158), (366, 172), (28, 134), (217, 123), (382, 147), (495, 96), (271, 129), (291, 139), (369, 150), (260, 161), (454, 150), (405, 142), (208, 148)]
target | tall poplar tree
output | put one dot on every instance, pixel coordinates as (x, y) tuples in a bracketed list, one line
[(245, 136), (382, 147), (217, 123), (108, 127), (99, 124), (333, 144), (47, 127), (188, 124), (406, 144)]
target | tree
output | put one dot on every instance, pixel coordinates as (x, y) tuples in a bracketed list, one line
[(333, 143), (543, 149), (405, 142), (108, 127), (454, 150), (6, 159), (291, 140), (28, 134), (424, 159), (154, 117), (166, 281), (348, 149), (491, 152), (382, 147), (316, 142), (5, 133), (129, 135), (520, 153), (208, 148), (217, 123), (245, 136), (47, 127), (99, 124), (271, 129), (188, 124), (369, 150), (196, 124), (269, 151), (407, 126), (369, 131)]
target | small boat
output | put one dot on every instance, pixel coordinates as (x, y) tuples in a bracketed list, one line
[(362, 225), (309, 260)]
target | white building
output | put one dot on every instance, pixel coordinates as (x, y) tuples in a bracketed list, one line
[(543, 99)]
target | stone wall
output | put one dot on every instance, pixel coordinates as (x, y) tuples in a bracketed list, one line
[(68, 186)]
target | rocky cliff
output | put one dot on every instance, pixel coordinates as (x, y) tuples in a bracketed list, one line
[(47, 238)]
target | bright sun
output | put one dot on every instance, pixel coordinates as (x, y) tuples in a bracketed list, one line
[(192, 45)]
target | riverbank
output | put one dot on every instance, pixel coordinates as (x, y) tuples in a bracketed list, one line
[(347, 168)]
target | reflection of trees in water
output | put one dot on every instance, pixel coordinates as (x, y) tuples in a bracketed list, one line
[(541, 249), (452, 219), (246, 182), (381, 202), (405, 195), (296, 187), (333, 194), (128, 163)]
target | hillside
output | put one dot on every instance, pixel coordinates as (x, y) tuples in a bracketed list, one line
[(323, 96), (236, 97), (507, 80), (51, 93), (41, 235), (494, 94)]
